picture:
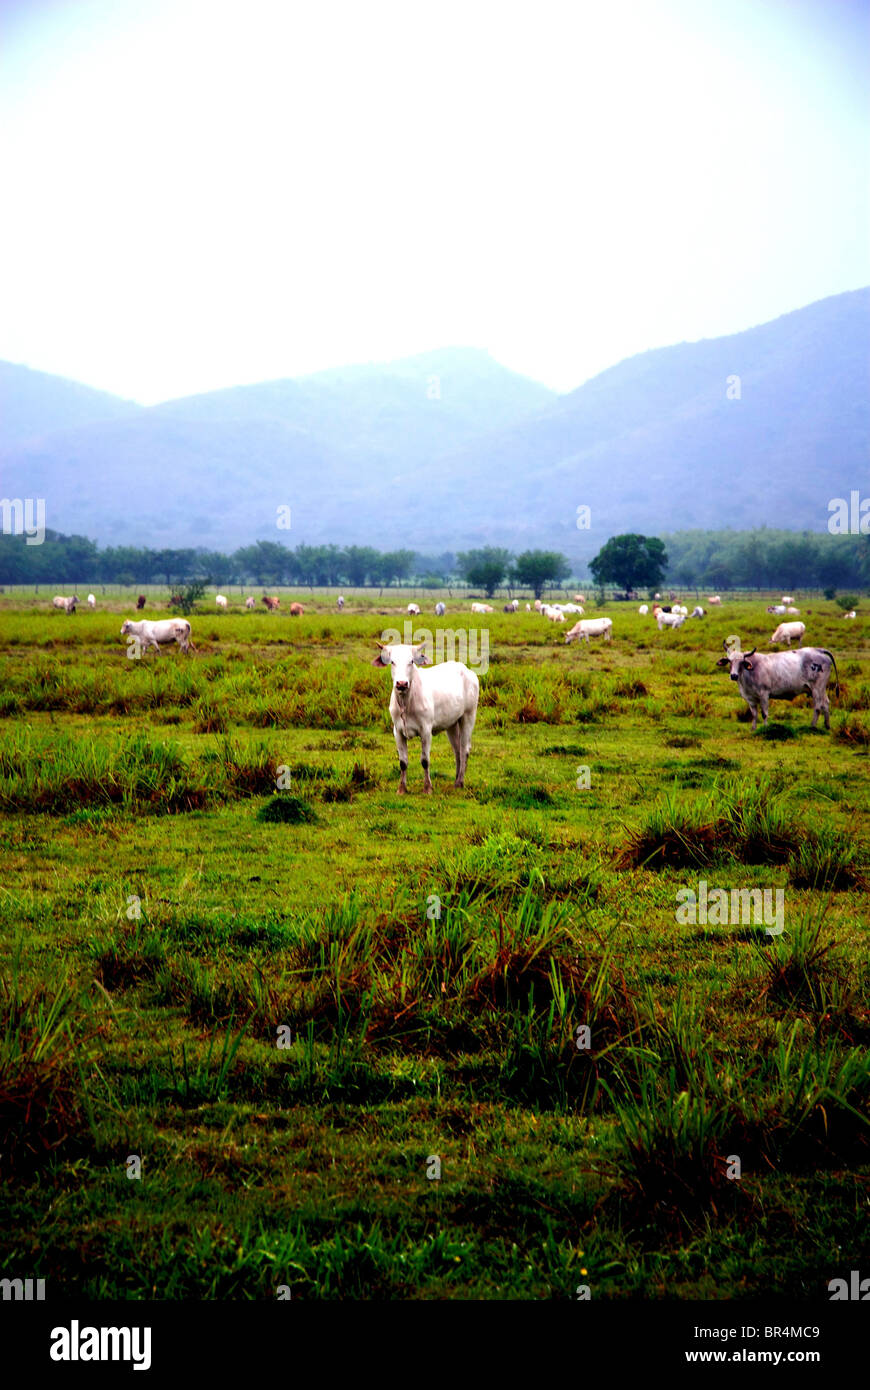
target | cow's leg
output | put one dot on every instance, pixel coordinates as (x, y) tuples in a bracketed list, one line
[(425, 750), (754, 711), (466, 727), (764, 703), (402, 750), (455, 735)]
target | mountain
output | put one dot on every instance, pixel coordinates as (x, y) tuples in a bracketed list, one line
[(449, 449), (35, 403), (761, 427), (213, 469)]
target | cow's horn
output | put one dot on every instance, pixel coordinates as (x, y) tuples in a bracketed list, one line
[(724, 645), (752, 653)]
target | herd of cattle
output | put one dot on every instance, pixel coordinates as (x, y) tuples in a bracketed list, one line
[(444, 698)]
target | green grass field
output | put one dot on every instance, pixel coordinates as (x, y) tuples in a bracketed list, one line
[(456, 1046)]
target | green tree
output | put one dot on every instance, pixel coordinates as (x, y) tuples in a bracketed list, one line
[(539, 569), (484, 569), (630, 560)]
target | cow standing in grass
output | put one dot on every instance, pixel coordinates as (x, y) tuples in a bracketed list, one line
[(765, 676), (423, 703)]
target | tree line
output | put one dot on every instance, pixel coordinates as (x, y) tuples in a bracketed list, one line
[(713, 560)]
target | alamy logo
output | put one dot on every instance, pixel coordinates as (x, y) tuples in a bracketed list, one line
[(449, 645), (76, 1343), (18, 516), (857, 1290), (23, 1289), (742, 906), (850, 518)]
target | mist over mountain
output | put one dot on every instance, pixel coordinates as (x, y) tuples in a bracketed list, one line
[(36, 403), (449, 449)]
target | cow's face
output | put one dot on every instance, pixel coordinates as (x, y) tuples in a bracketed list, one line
[(736, 662), (401, 661), (126, 628)]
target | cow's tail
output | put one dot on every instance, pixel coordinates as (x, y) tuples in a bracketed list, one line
[(834, 664)]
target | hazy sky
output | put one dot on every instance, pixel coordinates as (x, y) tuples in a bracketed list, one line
[(199, 193)]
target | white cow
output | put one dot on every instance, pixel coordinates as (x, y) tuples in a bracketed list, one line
[(643, 610), (570, 607), (515, 603), (92, 602), (481, 608), (555, 615), (440, 610), (787, 598), (220, 600), (787, 631), (579, 598), (423, 703), (250, 603), (590, 627), (853, 614), (697, 612), (668, 619), (792, 610), (340, 601), (67, 604), (714, 599), (776, 608), (414, 609), (154, 634)]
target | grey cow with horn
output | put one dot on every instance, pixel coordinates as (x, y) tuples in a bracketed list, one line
[(765, 676)]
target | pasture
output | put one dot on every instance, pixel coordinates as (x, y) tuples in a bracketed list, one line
[(456, 1046)]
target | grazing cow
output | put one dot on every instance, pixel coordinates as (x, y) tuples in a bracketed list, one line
[(340, 602), (766, 676), (440, 610), (669, 619), (792, 610), (714, 599), (92, 601), (554, 614), (413, 610), (787, 631), (661, 608), (538, 605), (643, 610), (853, 614), (153, 634), (296, 610), (424, 703), (697, 612), (528, 608), (776, 608), (787, 598), (508, 608), (272, 604), (579, 598), (250, 603), (515, 603), (590, 627), (67, 604), (220, 600), (140, 603), (481, 608)]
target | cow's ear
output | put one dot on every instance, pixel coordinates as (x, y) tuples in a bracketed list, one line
[(383, 656), (723, 661), (746, 665), (420, 657)]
